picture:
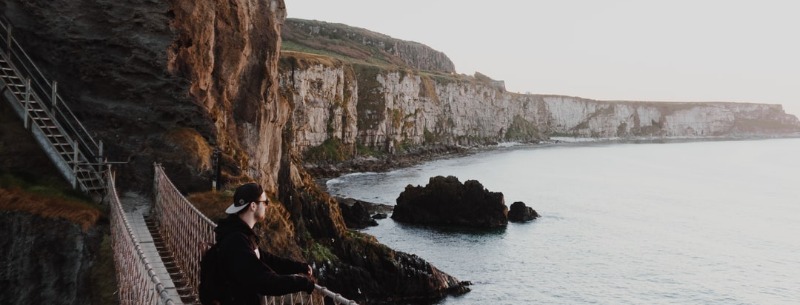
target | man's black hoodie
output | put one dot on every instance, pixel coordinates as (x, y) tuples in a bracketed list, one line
[(245, 275)]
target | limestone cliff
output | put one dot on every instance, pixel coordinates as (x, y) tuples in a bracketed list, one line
[(172, 80), (401, 108)]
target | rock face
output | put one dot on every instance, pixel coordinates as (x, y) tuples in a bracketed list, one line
[(519, 212), (366, 45), (45, 261), (446, 201), (173, 80), (355, 213), (398, 107)]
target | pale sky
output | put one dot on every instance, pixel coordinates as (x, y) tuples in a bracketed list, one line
[(670, 50)]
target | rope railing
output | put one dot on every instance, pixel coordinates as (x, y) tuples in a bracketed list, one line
[(188, 233), (137, 281)]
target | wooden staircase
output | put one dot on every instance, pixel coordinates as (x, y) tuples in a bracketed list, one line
[(57, 130)]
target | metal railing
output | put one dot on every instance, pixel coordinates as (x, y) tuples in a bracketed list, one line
[(46, 93), (187, 233), (137, 281)]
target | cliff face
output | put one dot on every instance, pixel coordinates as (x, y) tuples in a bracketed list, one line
[(324, 96), (173, 80), (45, 261), (363, 45), (401, 108), (110, 60)]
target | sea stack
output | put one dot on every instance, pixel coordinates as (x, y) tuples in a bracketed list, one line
[(446, 201)]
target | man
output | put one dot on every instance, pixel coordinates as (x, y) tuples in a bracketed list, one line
[(247, 271)]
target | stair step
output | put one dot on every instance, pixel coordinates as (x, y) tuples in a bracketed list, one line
[(94, 187), (92, 181), (12, 77)]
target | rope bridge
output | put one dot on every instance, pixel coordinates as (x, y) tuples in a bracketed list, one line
[(188, 233), (138, 282)]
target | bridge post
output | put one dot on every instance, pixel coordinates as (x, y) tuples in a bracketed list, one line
[(8, 41)]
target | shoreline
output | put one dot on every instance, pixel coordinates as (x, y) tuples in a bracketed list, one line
[(324, 172)]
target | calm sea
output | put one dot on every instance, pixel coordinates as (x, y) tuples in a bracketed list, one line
[(685, 223)]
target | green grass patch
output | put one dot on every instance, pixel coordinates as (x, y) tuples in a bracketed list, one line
[(332, 150), (320, 253), (367, 151), (521, 130)]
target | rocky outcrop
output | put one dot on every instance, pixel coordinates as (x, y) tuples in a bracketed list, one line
[(519, 212), (355, 213), (364, 45), (355, 264), (45, 261), (446, 201)]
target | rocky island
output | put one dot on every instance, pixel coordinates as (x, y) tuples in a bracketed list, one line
[(447, 201)]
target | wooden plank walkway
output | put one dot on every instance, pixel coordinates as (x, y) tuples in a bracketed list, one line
[(136, 207)]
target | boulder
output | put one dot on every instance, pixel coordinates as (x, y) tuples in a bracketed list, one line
[(360, 214), (355, 214), (446, 201), (519, 212)]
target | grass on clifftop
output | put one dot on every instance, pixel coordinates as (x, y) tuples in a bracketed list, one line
[(54, 202), (212, 203)]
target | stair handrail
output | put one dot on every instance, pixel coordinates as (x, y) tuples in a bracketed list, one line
[(137, 280), (48, 95)]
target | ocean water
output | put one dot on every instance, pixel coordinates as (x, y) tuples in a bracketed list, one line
[(680, 223)]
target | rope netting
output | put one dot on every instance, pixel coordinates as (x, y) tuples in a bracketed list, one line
[(187, 233), (138, 282)]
